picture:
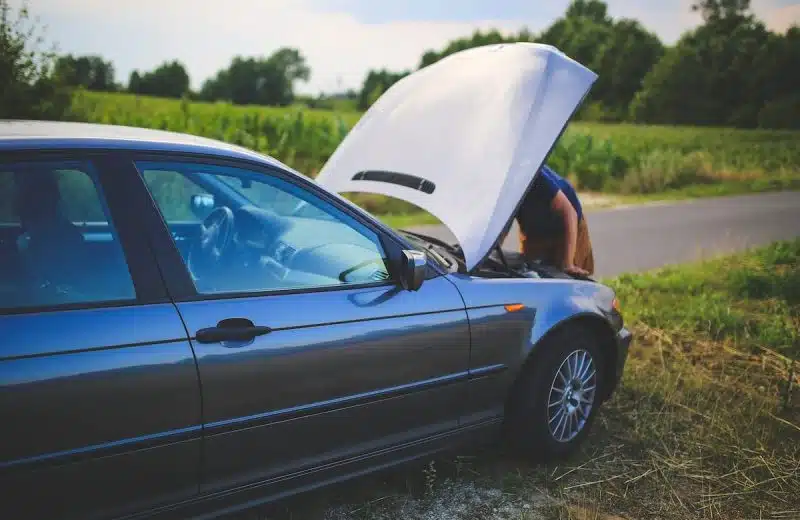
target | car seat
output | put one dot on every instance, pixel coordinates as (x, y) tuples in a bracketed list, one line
[(51, 246)]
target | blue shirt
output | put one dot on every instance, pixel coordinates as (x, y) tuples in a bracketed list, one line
[(535, 217)]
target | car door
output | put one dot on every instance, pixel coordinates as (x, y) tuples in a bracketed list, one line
[(308, 350), (99, 393)]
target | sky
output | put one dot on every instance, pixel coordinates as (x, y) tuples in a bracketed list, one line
[(341, 39)]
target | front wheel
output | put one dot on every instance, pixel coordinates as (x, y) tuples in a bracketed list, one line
[(555, 401)]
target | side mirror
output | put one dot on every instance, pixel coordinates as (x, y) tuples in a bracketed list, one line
[(202, 205), (414, 268)]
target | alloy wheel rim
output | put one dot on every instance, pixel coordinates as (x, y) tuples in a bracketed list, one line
[(572, 395)]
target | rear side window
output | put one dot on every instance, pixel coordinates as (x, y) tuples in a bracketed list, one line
[(58, 244)]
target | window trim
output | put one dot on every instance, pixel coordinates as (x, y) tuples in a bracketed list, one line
[(179, 282), (113, 188)]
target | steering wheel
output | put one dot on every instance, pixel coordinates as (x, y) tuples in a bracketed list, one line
[(216, 240)]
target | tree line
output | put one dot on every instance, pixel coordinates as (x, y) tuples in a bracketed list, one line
[(246, 81), (729, 71)]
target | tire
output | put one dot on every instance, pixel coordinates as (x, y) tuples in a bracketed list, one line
[(529, 415)]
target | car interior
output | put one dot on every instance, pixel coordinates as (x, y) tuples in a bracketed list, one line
[(57, 246), (47, 258), (247, 236)]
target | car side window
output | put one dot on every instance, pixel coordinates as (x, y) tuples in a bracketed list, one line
[(256, 232), (58, 244)]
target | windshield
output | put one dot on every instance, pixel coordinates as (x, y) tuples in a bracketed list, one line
[(281, 202)]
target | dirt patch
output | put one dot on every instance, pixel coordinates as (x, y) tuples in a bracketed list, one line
[(451, 500)]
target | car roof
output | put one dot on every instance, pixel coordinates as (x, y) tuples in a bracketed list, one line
[(59, 135)]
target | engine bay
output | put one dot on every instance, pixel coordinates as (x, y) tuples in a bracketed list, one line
[(499, 264)]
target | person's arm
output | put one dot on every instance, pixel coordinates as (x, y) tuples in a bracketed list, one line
[(563, 207)]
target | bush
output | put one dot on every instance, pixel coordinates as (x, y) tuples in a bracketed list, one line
[(596, 111), (782, 113), (774, 273), (591, 162), (382, 205), (662, 170), (28, 89)]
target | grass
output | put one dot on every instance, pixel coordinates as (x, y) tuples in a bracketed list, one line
[(406, 220), (704, 424), (639, 162)]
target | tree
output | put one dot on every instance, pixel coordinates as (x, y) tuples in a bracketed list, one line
[(265, 81), (716, 10), (28, 90), (477, 39), (291, 64), (623, 61), (594, 10), (621, 52), (375, 84), (378, 81), (89, 72), (730, 71), (169, 79), (775, 86)]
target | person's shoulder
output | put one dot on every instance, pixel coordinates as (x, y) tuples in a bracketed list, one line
[(550, 174), (550, 178)]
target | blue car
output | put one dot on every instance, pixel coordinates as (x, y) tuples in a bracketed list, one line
[(190, 328)]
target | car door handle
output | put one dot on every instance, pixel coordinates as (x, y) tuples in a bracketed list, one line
[(231, 329)]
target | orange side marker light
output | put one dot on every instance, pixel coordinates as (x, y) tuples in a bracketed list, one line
[(514, 307)]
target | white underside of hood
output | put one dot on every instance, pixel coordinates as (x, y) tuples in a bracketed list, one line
[(476, 126)]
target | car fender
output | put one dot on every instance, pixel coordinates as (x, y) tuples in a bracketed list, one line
[(549, 304), (589, 306)]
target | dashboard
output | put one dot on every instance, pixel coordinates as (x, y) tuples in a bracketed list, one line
[(291, 251)]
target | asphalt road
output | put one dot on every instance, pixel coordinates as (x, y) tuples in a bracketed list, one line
[(639, 238)]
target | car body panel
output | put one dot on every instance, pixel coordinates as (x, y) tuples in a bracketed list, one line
[(214, 505), (48, 135), (547, 302), (507, 338), (364, 365), (460, 145), (83, 402), (496, 336)]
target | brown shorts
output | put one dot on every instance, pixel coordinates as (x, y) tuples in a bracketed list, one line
[(551, 250)]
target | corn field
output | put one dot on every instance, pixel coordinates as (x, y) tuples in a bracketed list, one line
[(615, 158)]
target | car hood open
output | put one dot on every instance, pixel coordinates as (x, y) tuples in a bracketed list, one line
[(463, 138)]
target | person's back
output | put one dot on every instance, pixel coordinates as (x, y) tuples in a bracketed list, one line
[(552, 224), (536, 218)]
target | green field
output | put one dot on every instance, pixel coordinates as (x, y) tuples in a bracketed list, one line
[(638, 162), (706, 423)]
